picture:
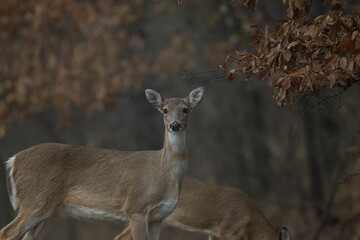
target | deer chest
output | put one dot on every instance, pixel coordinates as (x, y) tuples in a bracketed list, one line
[(165, 207)]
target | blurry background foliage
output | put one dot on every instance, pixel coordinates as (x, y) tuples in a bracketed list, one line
[(74, 72)]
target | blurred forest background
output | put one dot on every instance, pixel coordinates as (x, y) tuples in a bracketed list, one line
[(75, 72)]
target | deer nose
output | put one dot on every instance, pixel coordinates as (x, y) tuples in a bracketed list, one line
[(175, 126)]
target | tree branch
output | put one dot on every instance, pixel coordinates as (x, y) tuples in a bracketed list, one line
[(187, 74), (348, 177)]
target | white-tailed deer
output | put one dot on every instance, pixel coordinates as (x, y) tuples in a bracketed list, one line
[(218, 211), (141, 187)]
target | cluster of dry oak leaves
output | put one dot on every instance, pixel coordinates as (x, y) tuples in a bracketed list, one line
[(302, 56)]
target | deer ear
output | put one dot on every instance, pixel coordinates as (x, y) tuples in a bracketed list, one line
[(154, 98), (284, 234), (195, 96)]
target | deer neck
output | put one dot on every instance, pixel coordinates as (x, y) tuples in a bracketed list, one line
[(175, 143), (175, 154)]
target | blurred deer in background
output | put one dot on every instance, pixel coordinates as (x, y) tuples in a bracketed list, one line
[(218, 211), (92, 183)]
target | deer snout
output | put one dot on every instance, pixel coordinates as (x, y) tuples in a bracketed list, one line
[(175, 126)]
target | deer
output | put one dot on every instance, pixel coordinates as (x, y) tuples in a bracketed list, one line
[(141, 187), (219, 212)]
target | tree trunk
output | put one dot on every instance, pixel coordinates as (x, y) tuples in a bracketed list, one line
[(316, 191)]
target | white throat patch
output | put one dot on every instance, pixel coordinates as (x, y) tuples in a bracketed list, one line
[(177, 141)]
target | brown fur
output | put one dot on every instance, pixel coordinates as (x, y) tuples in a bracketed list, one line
[(141, 186), (220, 211)]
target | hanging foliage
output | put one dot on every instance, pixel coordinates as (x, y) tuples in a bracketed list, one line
[(303, 56)]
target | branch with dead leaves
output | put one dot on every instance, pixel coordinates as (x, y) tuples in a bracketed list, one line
[(303, 56)]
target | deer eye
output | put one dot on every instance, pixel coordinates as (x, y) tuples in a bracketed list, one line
[(185, 110), (165, 111)]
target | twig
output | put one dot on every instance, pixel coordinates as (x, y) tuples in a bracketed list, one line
[(186, 74), (322, 104), (348, 177)]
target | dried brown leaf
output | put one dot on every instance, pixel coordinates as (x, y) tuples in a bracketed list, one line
[(347, 21), (343, 63), (296, 8), (251, 4), (330, 62), (351, 66), (230, 76), (346, 45), (280, 96), (336, 7)]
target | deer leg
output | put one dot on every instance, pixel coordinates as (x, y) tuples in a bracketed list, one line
[(21, 225), (139, 227), (125, 234), (36, 233), (154, 230)]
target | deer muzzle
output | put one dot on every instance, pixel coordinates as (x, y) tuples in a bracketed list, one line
[(175, 126)]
